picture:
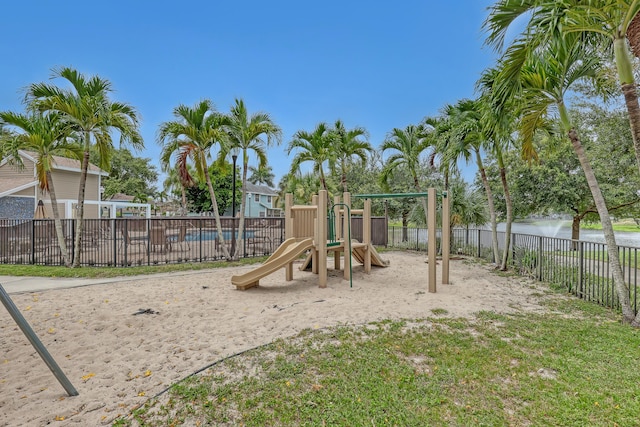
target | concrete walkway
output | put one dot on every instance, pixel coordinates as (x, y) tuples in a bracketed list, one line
[(26, 284)]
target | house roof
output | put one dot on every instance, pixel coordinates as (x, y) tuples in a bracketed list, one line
[(10, 185), (64, 163), (260, 189)]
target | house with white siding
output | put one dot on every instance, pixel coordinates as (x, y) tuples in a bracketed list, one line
[(19, 191)]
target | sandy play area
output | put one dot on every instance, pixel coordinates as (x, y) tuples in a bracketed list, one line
[(117, 359)]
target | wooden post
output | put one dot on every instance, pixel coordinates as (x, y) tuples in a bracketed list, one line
[(288, 216), (337, 227), (346, 228), (431, 236), (314, 251), (446, 237), (321, 240), (366, 235), (288, 230)]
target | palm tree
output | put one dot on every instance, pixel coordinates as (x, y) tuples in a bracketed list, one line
[(498, 125), (303, 187), (249, 133), (348, 145), (176, 183), (407, 145), (604, 23), (545, 78), (92, 116), (466, 139), (47, 136), (438, 131), (191, 137), (313, 147), (261, 175), (467, 206)]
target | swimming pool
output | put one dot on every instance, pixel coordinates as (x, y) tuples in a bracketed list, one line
[(195, 235)]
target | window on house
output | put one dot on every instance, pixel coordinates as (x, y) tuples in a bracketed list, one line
[(269, 199), (256, 198)]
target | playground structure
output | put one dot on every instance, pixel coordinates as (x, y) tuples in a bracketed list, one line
[(308, 230)]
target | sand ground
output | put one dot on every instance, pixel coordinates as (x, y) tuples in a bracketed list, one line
[(117, 359)]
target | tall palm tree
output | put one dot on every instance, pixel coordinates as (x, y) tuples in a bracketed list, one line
[(545, 78), (47, 136), (467, 138), (438, 131), (348, 145), (605, 23), (313, 147), (407, 146), (261, 175), (89, 112), (196, 131), (249, 133), (499, 126)]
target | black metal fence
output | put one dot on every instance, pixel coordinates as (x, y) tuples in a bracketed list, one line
[(580, 267), (137, 241), (127, 241)]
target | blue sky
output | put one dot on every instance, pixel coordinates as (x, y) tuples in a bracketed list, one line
[(374, 64)]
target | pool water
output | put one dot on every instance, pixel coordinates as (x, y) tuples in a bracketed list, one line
[(211, 235)]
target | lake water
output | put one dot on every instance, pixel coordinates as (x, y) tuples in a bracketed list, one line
[(562, 229)]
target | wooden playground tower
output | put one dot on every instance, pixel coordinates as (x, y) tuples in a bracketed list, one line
[(334, 235), (308, 230)]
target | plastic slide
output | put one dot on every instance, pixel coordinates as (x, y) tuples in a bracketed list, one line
[(286, 253), (359, 253)]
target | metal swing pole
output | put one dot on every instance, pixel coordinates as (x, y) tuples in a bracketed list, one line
[(36, 343)]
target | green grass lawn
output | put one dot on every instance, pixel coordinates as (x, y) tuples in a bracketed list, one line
[(98, 272), (622, 226), (575, 366)]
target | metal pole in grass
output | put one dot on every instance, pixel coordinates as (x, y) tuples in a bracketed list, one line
[(36, 343), (234, 156), (431, 239)]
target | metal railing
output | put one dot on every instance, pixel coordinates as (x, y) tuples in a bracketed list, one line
[(580, 267), (131, 241)]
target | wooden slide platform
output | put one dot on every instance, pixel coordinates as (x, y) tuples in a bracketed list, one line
[(286, 253)]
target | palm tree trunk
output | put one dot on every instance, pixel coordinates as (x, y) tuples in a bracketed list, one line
[(405, 226), (77, 247), (216, 214), (492, 209), (507, 201), (607, 227), (416, 185), (343, 181), (240, 238), (628, 86), (57, 222), (633, 110), (184, 199), (323, 180)]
